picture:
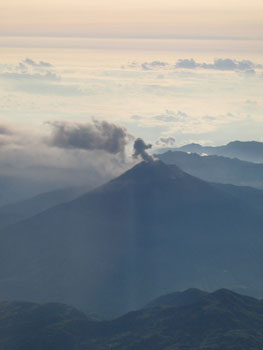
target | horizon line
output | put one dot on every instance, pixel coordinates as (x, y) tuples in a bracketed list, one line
[(130, 37)]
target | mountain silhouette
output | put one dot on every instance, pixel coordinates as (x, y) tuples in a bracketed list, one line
[(188, 297), (152, 230), (13, 213), (251, 151), (219, 320), (217, 168)]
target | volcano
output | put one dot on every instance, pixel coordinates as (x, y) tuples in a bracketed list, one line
[(152, 230)]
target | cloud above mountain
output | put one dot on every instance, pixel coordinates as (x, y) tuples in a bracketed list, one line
[(198, 100), (63, 154), (174, 127), (98, 135), (166, 141)]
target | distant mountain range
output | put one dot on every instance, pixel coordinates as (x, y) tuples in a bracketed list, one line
[(217, 168), (251, 151), (13, 213), (17, 186), (218, 320), (148, 232)]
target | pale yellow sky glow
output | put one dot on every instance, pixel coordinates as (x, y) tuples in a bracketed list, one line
[(187, 70), (136, 18)]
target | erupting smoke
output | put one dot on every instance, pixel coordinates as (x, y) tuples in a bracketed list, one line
[(140, 148), (99, 135)]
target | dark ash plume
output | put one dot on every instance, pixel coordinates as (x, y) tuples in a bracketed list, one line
[(140, 148), (98, 135)]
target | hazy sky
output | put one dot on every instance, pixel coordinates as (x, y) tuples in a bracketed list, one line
[(170, 72), (191, 18)]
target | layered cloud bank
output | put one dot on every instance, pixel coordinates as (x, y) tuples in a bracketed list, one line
[(154, 97), (219, 64), (29, 69)]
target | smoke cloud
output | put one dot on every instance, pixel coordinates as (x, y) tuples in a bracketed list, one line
[(140, 148), (98, 135)]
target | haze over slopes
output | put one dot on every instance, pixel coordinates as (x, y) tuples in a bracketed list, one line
[(133, 18)]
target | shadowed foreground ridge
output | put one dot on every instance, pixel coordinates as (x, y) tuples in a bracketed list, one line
[(219, 320)]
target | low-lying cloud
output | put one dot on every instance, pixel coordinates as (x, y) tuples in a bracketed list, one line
[(219, 64), (32, 63), (28, 69), (50, 76), (153, 65)]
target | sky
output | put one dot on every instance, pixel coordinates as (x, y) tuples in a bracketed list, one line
[(169, 72), (116, 18)]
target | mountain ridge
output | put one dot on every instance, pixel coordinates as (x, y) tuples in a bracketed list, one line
[(122, 244), (22, 210), (219, 320), (245, 150), (216, 168)]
